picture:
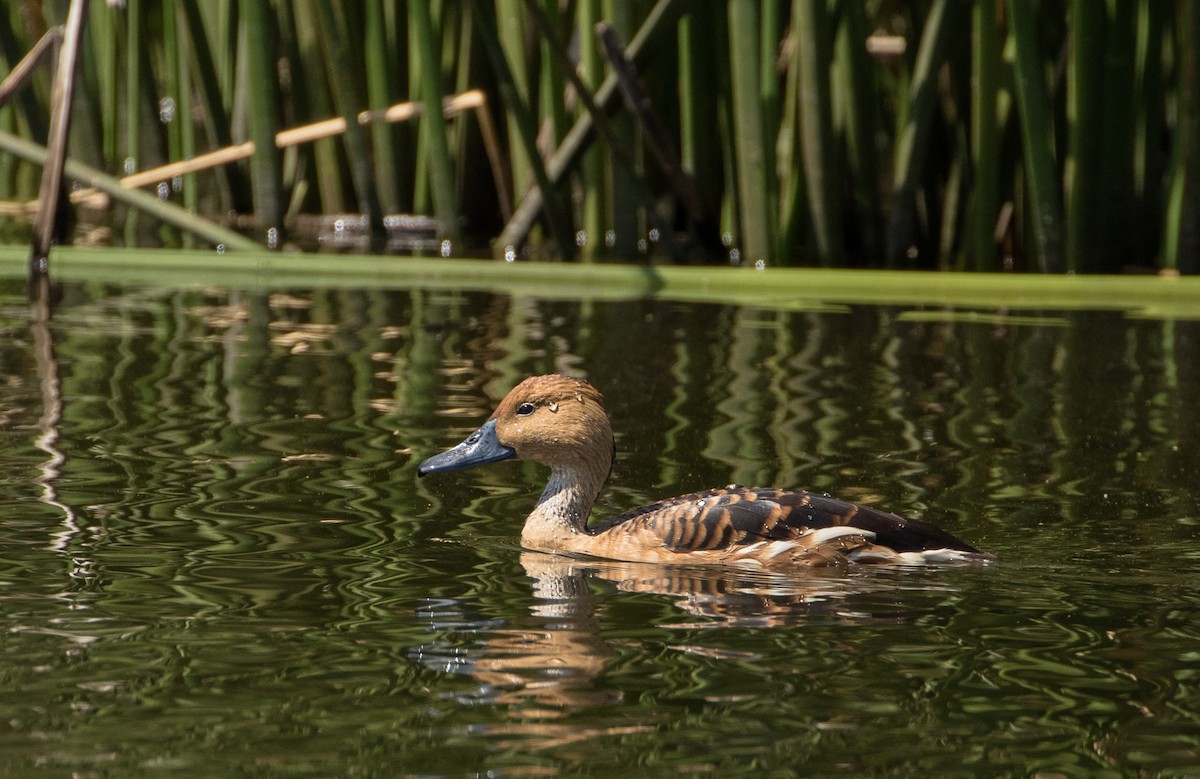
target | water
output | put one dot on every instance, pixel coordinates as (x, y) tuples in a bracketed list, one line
[(217, 558)]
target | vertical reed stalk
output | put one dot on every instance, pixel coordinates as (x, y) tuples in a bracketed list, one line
[(381, 63), (822, 173), (311, 94), (345, 95), (592, 179), (511, 29), (1037, 141), (913, 141), (1118, 130), (769, 37), (133, 88), (1085, 118), (1182, 224), (698, 106), (552, 101), (749, 134), (985, 136), (789, 170), (103, 30), (133, 94), (202, 62), (441, 167), (1149, 161), (625, 202), (859, 102), (261, 78), (56, 149)]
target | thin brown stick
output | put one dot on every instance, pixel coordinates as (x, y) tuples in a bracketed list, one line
[(56, 145), (20, 74), (326, 128)]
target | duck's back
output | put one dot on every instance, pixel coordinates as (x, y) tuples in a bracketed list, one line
[(746, 522)]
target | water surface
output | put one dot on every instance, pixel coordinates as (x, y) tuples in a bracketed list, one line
[(217, 557)]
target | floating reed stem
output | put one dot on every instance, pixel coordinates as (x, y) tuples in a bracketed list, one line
[(135, 198)]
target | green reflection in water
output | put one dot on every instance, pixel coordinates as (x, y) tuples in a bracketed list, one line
[(217, 557)]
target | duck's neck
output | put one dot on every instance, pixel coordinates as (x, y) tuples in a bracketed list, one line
[(558, 523)]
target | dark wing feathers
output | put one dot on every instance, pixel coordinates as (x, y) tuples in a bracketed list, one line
[(727, 516)]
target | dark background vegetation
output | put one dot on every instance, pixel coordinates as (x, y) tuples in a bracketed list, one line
[(1054, 136)]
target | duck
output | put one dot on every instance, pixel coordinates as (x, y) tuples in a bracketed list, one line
[(560, 422)]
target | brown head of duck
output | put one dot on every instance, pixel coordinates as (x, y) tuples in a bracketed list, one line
[(560, 422)]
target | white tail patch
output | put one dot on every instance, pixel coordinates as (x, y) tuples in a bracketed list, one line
[(776, 548), (826, 534), (940, 557)]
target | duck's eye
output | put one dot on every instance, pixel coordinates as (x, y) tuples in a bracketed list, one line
[(525, 409)]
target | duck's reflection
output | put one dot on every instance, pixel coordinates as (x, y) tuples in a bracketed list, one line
[(547, 668), (720, 596)]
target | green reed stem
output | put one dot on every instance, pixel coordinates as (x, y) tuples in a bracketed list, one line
[(1149, 160), (1118, 130), (1037, 142), (552, 101), (788, 162), (750, 136), (441, 167), (338, 53), (510, 27), (263, 121), (135, 198), (985, 136), (912, 145), (1082, 170), (592, 178), (625, 203), (202, 63), (1181, 243), (859, 103), (380, 59), (822, 174)]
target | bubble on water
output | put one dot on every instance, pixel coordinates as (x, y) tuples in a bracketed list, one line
[(220, 248)]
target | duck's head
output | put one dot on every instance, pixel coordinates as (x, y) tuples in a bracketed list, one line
[(553, 420)]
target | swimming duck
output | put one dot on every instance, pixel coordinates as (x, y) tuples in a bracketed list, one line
[(560, 422)]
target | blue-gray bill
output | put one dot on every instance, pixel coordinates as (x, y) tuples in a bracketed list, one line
[(480, 448)]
